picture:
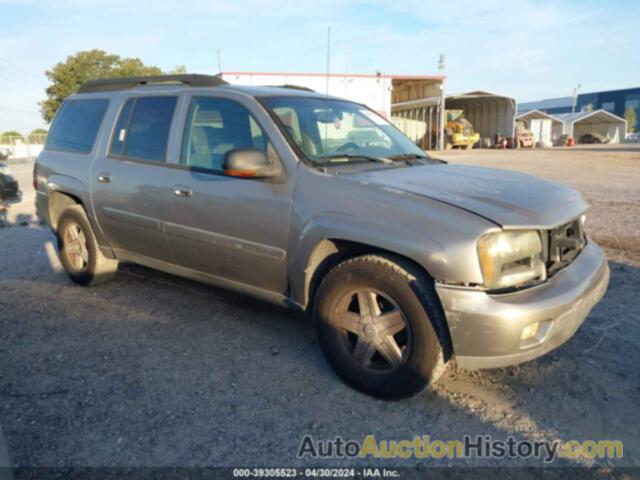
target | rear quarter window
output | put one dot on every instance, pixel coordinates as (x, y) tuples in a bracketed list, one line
[(76, 125)]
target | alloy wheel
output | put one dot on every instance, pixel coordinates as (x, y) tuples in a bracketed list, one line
[(75, 247), (376, 332)]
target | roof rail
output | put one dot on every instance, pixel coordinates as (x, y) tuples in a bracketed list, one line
[(296, 87), (124, 83)]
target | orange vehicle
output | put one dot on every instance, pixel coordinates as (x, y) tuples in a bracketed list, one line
[(524, 137)]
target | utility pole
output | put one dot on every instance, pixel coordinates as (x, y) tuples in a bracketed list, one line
[(442, 63), (575, 97), (219, 62)]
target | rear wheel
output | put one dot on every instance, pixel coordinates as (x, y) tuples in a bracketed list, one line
[(80, 254), (373, 319)]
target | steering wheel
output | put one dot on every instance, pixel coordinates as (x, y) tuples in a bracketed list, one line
[(347, 146)]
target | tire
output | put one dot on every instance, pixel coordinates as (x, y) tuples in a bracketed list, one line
[(400, 290), (80, 254)]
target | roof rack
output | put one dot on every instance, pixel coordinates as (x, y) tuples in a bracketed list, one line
[(296, 87), (115, 84)]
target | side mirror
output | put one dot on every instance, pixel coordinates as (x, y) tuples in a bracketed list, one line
[(249, 164)]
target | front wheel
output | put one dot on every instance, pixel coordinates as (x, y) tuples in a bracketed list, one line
[(374, 320)]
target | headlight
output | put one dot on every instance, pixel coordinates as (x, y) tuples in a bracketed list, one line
[(511, 258)]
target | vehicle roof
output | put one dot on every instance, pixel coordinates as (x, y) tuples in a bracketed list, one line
[(253, 90)]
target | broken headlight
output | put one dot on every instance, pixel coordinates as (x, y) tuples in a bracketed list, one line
[(511, 258)]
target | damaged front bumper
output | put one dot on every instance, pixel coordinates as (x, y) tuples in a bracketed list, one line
[(492, 331)]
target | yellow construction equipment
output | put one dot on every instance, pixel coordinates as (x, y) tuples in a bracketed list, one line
[(459, 131)]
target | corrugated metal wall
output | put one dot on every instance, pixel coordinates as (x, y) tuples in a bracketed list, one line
[(490, 115)]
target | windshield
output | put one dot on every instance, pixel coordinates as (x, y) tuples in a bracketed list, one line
[(329, 130)]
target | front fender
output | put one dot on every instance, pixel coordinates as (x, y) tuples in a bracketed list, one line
[(421, 249)]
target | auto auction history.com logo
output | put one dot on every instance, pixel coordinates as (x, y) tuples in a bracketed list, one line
[(470, 446)]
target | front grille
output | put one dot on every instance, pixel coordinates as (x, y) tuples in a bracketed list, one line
[(563, 245)]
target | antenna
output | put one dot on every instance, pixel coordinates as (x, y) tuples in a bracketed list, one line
[(346, 62), (328, 56)]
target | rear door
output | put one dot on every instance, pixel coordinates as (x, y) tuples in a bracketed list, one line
[(229, 227), (129, 180)]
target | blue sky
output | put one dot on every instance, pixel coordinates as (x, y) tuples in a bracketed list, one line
[(523, 48)]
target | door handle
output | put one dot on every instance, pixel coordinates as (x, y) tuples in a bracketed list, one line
[(104, 177), (182, 191)]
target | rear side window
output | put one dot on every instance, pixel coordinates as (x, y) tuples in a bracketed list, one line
[(76, 125), (142, 130)]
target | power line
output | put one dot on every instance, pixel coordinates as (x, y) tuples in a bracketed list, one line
[(29, 76), (20, 83)]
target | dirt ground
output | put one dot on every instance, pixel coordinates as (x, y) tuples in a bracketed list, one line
[(153, 370)]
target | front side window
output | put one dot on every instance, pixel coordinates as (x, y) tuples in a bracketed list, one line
[(142, 130), (339, 131), (214, 127), (76, 125)]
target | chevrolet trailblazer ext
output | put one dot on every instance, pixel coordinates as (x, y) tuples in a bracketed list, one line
[(319, 204)]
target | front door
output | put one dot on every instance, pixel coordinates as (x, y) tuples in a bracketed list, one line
[(232, 228), (129, 181)]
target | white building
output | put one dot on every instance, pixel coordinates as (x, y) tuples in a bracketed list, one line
[(546, 128)]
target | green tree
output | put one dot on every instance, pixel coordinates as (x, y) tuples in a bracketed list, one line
[(66, 77), (177, 70), (630, 117), (9, 137), (37, 136)]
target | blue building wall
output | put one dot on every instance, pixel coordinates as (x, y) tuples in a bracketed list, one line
[(614, 101)]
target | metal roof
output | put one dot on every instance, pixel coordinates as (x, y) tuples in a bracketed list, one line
[(477, 96), (596, 116), (560, 102), (538, 115)]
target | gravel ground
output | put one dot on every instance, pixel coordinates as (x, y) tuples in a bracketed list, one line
[(153, 370)]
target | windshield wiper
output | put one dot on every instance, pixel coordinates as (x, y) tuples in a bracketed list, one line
[(333, 159), (417, 156)]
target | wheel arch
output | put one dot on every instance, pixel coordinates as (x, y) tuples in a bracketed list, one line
[(58, 201), (330, 252), (65, 192)]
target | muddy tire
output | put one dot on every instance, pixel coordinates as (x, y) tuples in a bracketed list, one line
[(80, 254), (375, 318)]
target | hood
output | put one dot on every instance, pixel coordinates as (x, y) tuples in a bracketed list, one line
[(507, 198)]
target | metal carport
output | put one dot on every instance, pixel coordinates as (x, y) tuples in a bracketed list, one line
[(599, 121), (490, 114), (546, 128), (417, 109)]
